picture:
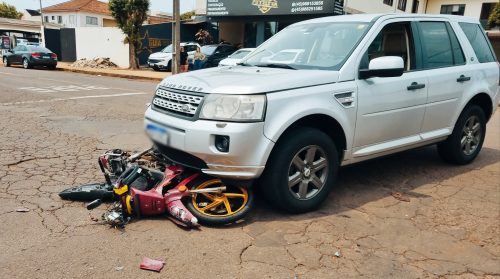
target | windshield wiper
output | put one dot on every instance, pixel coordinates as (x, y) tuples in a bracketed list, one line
[(275, 65)]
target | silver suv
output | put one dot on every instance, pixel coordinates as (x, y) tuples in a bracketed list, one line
[(329, 92)]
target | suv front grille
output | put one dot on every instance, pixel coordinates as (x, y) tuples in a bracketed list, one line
[(183, 104)]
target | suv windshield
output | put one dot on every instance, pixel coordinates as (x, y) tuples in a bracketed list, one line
[(168, 49), (322, 46)]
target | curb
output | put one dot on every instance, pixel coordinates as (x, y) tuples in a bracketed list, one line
[(126, 76)]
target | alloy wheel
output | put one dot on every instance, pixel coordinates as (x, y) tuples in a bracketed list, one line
[(471, 135), (25, 63), (308, 172)]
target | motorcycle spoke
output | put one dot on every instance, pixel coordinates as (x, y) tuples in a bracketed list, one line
[(234, 195), (227, 205), (212, 205)]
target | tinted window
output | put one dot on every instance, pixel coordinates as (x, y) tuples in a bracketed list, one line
[(479, 43), (190, 48), (458, 54), (436, 45)]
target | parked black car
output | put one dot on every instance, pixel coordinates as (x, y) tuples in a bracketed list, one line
[(216, 53), (30, 56)]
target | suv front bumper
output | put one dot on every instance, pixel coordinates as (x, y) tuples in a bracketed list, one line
[(248, 148)]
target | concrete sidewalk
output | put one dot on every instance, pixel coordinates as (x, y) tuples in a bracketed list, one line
[(146, 74)]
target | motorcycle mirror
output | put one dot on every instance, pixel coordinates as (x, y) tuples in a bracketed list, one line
[(94, 204)]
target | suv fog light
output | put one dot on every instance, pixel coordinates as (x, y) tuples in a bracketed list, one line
[(222, 143)]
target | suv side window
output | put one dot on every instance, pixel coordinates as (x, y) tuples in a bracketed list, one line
[(437, 46), (395, 39), (478, 41)]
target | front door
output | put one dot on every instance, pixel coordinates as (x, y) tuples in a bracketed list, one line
[(390, 110)]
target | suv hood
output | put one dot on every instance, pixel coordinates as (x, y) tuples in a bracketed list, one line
[(158, 55), (248, 80)]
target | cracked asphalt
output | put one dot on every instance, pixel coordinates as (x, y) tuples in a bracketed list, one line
[(55, 124)]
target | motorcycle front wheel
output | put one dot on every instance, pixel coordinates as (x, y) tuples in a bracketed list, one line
[(216, 209)]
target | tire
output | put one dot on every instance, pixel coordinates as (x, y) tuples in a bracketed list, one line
[(26, 64), (218, 216), (289, 164), (51, 67), (169, 66), (466, 141), (6, 62), (156, 69)]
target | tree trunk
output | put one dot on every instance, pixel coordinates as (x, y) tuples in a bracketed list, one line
[(134, 65)]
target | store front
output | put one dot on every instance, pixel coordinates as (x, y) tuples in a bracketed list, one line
[(248, 23)]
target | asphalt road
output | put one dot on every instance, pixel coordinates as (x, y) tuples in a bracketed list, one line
[(54, 125)]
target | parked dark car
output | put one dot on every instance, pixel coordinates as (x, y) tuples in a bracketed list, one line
[(216, 53), (29, 56)]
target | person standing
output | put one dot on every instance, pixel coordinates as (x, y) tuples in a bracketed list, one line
[(184, 61), (199, 57)]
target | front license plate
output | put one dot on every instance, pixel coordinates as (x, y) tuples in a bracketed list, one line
[(157, 134)]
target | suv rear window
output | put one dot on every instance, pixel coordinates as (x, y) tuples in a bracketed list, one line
[(479, 42)]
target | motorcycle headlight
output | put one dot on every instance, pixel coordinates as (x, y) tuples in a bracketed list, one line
[(244, 108)]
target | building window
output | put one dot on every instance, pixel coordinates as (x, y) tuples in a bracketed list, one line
[(414, 8), (46, 18), (59, 19), (402, 5), (53, 17), (91, 20), (388, 2), (453, 9)]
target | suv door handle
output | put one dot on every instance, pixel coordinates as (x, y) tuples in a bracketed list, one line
[(463, 78), (415, 86)]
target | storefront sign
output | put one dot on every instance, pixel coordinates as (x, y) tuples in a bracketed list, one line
[(4, 43), (272, 7)]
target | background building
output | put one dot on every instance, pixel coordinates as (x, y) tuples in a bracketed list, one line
[(80, 13)]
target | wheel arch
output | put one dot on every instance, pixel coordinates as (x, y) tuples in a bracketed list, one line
[(484, 101), (324, 123)]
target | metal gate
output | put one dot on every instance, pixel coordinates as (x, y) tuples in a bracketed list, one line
[(53, 41), (68, 45)]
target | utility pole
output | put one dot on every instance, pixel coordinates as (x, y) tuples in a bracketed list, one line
[(42, 31), (176, 37)]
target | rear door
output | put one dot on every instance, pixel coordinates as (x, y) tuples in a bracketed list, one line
[(448, 76), (16, 56)]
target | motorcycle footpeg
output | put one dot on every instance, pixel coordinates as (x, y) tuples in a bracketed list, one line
[(94, 204)]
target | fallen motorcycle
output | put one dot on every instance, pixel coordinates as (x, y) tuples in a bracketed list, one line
[(149, 185)]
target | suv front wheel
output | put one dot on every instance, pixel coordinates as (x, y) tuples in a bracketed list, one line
[(301, 171), (464, 144)]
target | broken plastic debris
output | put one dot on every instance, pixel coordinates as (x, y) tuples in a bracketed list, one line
[(150, 264), (337, 254), (23, 209), (400, 197)]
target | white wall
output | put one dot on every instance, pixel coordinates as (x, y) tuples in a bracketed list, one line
[(92, 42), (472, 7)]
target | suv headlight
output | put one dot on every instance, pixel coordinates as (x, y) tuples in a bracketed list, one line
[(244, 108)]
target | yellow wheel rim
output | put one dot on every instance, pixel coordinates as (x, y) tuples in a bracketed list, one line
[(228, 203)]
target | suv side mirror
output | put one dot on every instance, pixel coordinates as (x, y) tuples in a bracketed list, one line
[(386, 66)]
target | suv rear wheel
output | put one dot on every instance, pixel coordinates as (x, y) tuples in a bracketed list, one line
[(301, 171), (466, 141)]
